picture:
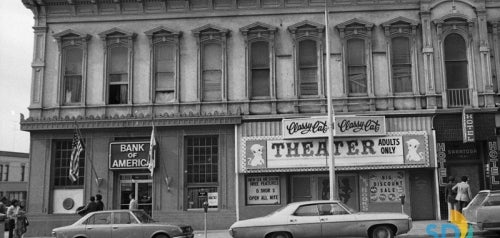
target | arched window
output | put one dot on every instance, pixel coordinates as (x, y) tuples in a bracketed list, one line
[(308, 68), (455, 59), (260, 69), (73, 66), (211, 71), (401, 64), (356, 66)]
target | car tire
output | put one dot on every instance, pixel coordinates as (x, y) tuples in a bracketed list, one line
[(160, 236), (280, 235), (382, 232)]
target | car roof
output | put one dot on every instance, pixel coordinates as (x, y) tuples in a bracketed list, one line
[(313, 202), (490, 191)]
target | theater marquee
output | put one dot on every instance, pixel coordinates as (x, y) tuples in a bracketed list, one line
[(400, 149), (128, 155)]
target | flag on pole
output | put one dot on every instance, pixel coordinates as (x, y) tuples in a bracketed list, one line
[(77, 148), (152, 148)]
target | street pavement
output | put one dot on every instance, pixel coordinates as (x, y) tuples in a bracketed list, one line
[(419, 230)]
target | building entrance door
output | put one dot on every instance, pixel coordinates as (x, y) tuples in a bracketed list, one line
[(141, 186)]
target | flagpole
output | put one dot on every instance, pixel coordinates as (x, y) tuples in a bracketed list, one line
[(85, 148), (330, 110)]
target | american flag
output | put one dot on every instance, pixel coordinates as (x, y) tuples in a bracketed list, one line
[(151, 156), (77, 148)]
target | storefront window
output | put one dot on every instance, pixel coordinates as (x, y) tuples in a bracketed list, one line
[(202, 158), (62, 157)]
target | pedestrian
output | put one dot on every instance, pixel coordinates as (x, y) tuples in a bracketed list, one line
[(90, 207), (21, 224), (100, 204), (12, 213), (3, 205), (450, 196), (133, 203), (464, 194)]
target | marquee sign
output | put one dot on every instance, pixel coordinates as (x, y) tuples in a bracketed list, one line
[(403, 148), (316, 127), (128, 155)]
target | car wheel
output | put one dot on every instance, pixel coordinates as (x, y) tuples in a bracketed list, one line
[(382, 232), (160, 236), (280, 235)]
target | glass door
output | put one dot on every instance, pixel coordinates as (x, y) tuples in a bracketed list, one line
[(141, 186)]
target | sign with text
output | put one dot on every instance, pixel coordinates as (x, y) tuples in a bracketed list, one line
[(468, 126), (345, 126), (347, 152), (213, 199), (128, 155), (263, 190), (386, 186)]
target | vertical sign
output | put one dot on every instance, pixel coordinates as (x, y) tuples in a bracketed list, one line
[(468, 126), (493, 163)]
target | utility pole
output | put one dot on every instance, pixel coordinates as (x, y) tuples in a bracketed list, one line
[(330, 110)]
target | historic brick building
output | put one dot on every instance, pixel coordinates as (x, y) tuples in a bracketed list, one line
[(224, 80)]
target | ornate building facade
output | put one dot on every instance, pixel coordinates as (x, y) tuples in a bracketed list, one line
[(227, 85)]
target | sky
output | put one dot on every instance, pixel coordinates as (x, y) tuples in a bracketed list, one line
[(16, 53)]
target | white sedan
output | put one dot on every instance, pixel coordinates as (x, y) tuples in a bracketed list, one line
[(321, 219)]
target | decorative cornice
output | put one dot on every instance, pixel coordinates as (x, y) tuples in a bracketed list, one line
[(129, 121)]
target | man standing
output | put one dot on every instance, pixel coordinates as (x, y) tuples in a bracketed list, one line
[(90, 207), (450, 196), (464, 194), (12, 213), (133, 203), (100, 204)]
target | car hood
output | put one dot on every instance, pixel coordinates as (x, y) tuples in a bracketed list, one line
[(260, 221)]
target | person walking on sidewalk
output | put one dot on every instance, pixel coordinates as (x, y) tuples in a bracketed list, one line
[(21, 224), (12, 213), (450, 196), (133, 203), (464, 194)]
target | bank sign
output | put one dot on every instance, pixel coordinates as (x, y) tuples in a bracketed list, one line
[(128, 155), (345, 126)]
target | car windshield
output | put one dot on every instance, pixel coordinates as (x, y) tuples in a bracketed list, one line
[(478, 200), (143, 217)]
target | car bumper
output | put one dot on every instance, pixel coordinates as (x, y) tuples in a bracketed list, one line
[(184, 236)]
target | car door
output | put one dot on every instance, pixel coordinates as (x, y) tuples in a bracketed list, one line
[(98, 225), (304, 222), (336, 221), (125, 226)]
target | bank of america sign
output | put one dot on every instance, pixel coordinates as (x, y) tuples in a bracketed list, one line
[(345, 126)]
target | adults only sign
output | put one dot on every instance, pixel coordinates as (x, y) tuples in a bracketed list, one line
[(128, 155)]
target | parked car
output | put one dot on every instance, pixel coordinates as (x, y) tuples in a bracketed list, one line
[(318, 219), (122, 224), (484, 210)]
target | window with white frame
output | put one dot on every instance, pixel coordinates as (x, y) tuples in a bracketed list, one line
[(356, 36), (212, 80), (118, 67), (260, 51), (308, 56), (165, 55), (72, 61), (399, 34)]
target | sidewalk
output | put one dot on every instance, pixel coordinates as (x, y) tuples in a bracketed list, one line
[(418, 230)]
